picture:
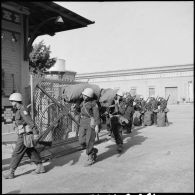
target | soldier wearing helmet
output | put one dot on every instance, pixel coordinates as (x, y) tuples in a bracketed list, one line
[(124, 107), (24, 126), (89, 124), (116, 120)]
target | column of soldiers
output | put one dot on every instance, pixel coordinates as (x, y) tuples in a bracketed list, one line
[(122, 115)]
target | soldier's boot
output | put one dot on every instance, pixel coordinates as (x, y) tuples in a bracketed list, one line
[(129, 130), (119, 148), (90, 160), (94, 153), (40, 169), (92, 157), (10, 174)]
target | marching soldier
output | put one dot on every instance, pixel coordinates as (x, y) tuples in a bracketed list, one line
[(162, 119), (89, 124), (115, 122), (148, 114), (155, 105), (124, 107), (24, 126)]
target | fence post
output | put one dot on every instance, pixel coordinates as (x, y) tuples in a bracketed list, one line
[(31, 92)]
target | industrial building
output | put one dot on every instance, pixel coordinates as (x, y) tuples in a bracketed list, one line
[(176, 81)]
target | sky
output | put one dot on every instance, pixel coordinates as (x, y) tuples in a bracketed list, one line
[(126, 35)]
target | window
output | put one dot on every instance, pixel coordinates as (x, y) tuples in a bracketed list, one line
[(151, 92)]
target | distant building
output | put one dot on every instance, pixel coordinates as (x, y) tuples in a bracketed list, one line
[(58, 72), (176, 81)]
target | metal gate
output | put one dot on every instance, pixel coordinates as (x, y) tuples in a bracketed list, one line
[(54, 119)]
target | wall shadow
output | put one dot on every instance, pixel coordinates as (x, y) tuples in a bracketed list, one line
[(14, 192)]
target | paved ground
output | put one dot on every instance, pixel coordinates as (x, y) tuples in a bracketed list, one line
[(155, 159)]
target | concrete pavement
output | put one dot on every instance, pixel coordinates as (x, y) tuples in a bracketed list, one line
[(155, 159)]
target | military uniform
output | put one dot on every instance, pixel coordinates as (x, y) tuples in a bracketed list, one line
[(163, 108), (142, 111), (116, 127), (87, 134), (155, 104), (22, 121), (126, 109), (148, 114)]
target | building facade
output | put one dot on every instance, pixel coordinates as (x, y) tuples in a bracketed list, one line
[(21, 23), (176, 81)]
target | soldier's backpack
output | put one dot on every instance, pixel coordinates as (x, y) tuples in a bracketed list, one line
[(161, 119), (148, 117), (136, 118), (72, 93), (107, 97)]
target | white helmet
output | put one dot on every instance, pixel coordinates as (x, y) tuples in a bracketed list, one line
[(88, 92), (15, 97), (120, 92), (141, 96)]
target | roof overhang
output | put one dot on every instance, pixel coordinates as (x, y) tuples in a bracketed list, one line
[(41, 11)]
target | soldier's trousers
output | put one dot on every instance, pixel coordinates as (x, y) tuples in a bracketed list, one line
[(116, 129), (20, 150), (166, 118), (142, 118), (86, 135), (128, 126), (108, 124)]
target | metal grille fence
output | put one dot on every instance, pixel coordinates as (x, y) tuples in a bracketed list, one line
[(46, 111)]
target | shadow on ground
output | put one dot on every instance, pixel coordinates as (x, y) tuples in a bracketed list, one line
[(132, 139), (64, 160)]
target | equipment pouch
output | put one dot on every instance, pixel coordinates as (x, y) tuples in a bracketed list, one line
[(28, 140), (92, 122)]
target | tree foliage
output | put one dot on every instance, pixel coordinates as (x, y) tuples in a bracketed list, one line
[(40, 59)]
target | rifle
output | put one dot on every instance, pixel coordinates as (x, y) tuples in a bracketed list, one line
[(147, 99), (168, 98)]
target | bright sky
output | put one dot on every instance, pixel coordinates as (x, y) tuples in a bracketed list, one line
[(126, 35)]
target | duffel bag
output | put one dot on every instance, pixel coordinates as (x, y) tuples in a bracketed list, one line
[(107, 97), (72, 93), (148, 115), (161, 119)]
